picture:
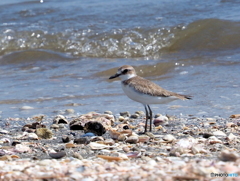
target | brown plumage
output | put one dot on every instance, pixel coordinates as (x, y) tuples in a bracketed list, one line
[(147, 87)]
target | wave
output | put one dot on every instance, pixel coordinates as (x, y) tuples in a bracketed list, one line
[(201, 35)]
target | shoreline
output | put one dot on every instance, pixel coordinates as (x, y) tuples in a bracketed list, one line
[(187, 148)]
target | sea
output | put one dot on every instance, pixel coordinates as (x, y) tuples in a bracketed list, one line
[(56, 56)]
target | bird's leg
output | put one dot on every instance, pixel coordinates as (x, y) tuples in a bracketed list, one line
[(150, 111), (147, 116)]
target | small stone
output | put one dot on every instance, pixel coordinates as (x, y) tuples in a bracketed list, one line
[(44, 133), (135, 116), (60, 119), (231, 137), (125, 114), (77, 155), (54, 126), (207, 135), (94, 127), (26, 108), (122, 137), (57, 155), (14, 143), (81, 140), (214, 140), (144, 138), (88, 135), (121, 118), (108, 112), (66, 138), (70, 145), (219, 133), (227, 155), (169, 138), (160, 120), (4, 131), (132, 139), (69, 111)]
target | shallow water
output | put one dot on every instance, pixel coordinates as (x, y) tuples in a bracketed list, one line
[(57, 55)]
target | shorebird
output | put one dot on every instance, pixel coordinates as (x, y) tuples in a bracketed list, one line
[(144, 91)]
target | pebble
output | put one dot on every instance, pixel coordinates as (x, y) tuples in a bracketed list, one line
[(44, 133), (83, 140), (57, 155), (69, 111), (88, 135), (219, 133), (125, 114), (132, 139), (227, 155), (108, 112), (169, 138), (26, 108)]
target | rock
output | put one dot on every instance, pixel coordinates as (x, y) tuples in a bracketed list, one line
[(213, 140), (70, 145), (108, 112), (44, 133), (60, 119), (69, 111), (14, 143), (77, 155), (143, 138), (227, 155), (121, 118), (57, 155), (94, 127), (88, 135), (169, 138), (66, 138), (4, 131), (135, 116), (207, 135), (54, 126), (132, 139), (81, 140), (30, 136), (33, 125), (125, 114), (219, 133), (231, 137), (121, 137), (160, 120), (26, 108), (20, 148)]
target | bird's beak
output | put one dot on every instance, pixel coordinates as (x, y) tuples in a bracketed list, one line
[(114, 76)]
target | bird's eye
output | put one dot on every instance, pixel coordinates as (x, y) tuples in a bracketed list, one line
[(125, 71)]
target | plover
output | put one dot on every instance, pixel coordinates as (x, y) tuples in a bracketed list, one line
[(144, 91)]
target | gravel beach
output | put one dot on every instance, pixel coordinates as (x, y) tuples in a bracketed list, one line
[(103, 146)]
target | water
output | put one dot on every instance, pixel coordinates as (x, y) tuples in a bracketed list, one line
[(56, 55)]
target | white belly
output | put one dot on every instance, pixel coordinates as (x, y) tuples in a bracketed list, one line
[(145, 98)]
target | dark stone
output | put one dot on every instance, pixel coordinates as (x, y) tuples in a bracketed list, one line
[(83, 140), (94, 127)]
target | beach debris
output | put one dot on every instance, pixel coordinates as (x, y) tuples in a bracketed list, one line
[(83, 140), (227, 155), (44, 133), (26, 136), (168, 138), (160, 120), (132, 139), (235, 116), (110, 158), (60, 119), (57, 155), (94, 127)]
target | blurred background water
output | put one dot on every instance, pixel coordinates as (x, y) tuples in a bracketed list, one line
[(57, 54)]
